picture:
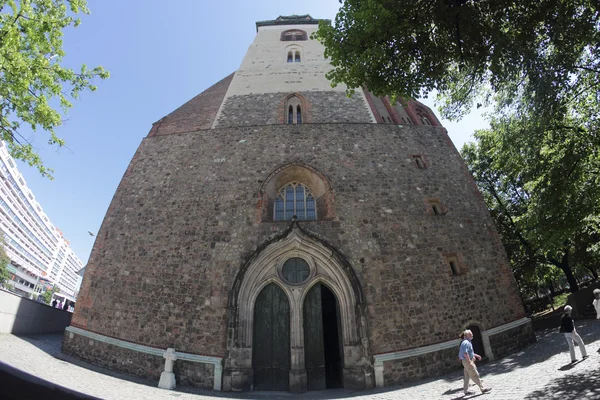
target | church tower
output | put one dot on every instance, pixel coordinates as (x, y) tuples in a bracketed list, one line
[(279, 235)]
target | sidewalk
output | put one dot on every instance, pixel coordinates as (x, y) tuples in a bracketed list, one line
[(542, 371)]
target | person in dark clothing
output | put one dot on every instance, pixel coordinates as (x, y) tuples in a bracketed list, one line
[(54, 303), (567, 326), (65, 306)]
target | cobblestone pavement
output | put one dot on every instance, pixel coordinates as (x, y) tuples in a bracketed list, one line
[(542, 371)]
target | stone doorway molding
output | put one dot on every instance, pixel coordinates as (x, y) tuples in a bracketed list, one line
[(327, 267)]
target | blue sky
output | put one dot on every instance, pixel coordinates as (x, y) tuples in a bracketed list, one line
[(160, 54)]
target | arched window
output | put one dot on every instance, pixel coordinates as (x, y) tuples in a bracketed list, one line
[(297, 58), (293, 35), (290, 57), (295, 199), (293, 111)]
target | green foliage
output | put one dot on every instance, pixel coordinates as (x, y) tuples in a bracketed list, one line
[(31, 75), (541, 183), (4, 261), (47, 295), (526, 55)]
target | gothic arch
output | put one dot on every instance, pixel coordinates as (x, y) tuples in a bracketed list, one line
[(319, 185), (327, 267)]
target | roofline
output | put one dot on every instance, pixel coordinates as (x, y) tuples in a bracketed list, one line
[(300, 20)]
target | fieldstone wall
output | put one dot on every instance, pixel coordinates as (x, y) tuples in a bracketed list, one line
[(512, 340), (186, 216), (135, 363), (320, 107), (113, 357), (411, 368)]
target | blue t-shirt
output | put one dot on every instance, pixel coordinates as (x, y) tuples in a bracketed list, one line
[(466, 347)]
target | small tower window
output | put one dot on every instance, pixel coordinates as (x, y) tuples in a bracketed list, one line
[(453, 264), (297, 58), (290, 57), (295, 199), (294, 111), (419, 162), (436, 207)]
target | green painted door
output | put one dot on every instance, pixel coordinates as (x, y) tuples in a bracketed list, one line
[(314, 351), (271, 340)]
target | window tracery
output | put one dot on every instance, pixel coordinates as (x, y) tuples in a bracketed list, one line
[(295, 199)]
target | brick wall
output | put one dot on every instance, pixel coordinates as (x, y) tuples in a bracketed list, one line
[(198, 113)]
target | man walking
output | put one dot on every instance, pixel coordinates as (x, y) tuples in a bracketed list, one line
[(467, 357)]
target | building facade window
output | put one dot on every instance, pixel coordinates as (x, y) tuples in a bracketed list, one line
[(294, 111), (295, 199), (294, 35), (295, 271), (294, 55)]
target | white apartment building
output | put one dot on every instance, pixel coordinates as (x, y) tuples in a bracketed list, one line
[(40, 256)]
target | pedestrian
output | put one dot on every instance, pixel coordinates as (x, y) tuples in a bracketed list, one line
[(467, 356), (596, 302), (54, 303), (65, 306), (567, 326)]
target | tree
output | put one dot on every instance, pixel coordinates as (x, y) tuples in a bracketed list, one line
[(542, 55), (47, 295), (31, 75), (542, 186), (4, 261)]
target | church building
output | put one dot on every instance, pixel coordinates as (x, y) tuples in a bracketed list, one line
[(280, 235)]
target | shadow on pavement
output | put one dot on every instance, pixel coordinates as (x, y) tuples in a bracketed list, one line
[(584, 385), (19, 385), (550, 343)]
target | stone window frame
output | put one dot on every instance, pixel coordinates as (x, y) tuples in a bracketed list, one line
[(283, 109), (435, 207), (319, 185), (293, 35), (419, 161), (262, 270), (293, 54), (311, 266), (293, 109)]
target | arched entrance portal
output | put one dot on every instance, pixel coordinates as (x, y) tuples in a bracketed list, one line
[(271, 344), (314, 289), (322, 352)]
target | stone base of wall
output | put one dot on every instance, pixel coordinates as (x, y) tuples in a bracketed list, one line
[(512, 340), (135, 363), (425, 365), (443, 361)]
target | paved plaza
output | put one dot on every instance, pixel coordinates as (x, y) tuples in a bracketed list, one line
[(542, 371)]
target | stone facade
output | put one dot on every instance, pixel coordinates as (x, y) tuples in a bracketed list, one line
[(189, 239)]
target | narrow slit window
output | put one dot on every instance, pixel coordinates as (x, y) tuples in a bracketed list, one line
[(290, 115), (420, 162), (453, 267), (436, 209), (299, 115)]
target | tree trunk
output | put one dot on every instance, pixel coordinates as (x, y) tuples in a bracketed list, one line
[(563, 264)]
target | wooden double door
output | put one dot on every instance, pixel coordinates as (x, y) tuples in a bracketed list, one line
[(271, 339)]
